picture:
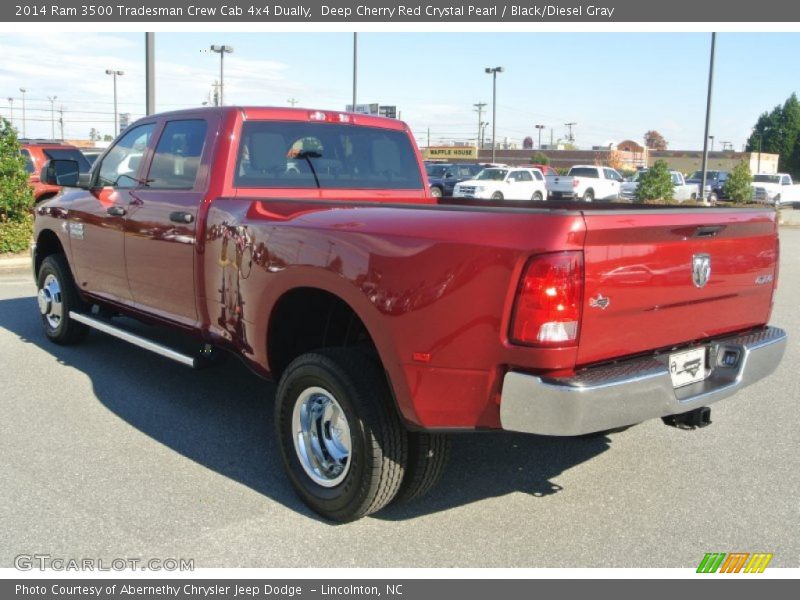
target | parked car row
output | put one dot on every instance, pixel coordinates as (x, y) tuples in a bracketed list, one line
[(681, 190)]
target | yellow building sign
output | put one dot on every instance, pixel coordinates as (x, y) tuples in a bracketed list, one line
[(450, 153)]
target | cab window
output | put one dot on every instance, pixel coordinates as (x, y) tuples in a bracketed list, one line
[(177, 156), (121, 165)]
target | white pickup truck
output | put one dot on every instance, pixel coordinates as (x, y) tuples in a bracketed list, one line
[(681, 191), (587, 182), (775, 188), (505, 183)]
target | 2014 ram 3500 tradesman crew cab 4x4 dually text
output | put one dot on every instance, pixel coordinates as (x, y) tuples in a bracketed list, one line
[(307, 243)]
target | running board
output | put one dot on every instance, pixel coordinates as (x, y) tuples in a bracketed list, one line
[(132, 338)]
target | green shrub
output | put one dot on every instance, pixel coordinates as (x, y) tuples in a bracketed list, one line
[(540, 158), (737, 187), (15, 236), (16, 195), (655, 183)]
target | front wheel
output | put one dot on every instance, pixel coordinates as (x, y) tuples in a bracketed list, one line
[(497, 196), (436, 192), (588, 195), (341, 440), (778, 201), (537, 197), (56, 298)]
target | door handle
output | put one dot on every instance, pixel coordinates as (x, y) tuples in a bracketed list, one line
[(116, 211), (181, 217)]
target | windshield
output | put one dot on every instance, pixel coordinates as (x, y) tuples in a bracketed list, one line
[(69, 154), (709, 175), (638, 175), (436, 170), (493, 174), (767, 178)]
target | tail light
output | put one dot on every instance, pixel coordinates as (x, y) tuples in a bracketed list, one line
[(547, 309), (575, 182), (330, 117)]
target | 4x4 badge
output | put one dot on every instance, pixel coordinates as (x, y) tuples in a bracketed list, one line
[(701, 269)]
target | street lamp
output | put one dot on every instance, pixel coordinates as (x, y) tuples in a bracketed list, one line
[(52, 117), (493, 71), (711, 137), (222, 51), (23, 90), (116, 115), (540, 127)]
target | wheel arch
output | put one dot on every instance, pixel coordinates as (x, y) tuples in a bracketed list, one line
[(47, 244)]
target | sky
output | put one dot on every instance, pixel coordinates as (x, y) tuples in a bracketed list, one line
[(614, 86)]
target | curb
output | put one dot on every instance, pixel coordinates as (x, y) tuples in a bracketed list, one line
[(15, 264)]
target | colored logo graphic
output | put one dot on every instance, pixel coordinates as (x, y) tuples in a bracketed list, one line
[(734, 562)]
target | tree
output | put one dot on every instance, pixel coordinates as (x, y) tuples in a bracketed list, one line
[(94, 135), (614, 160), (16, 195), (527, 143), (778, 132), (108, 138), (655, 183), (540, 158), (654, 140), (737, 186)]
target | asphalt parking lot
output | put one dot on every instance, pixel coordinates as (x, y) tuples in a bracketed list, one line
[(109, 451)]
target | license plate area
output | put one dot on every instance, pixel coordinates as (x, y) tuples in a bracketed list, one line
[(687, 367)]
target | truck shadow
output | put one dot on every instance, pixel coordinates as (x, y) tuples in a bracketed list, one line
[(222, 419)]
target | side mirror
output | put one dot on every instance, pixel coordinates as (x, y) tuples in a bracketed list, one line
[(61, 172)]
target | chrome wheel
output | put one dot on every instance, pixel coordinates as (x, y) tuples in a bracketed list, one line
[(321, 436), (50, 301)]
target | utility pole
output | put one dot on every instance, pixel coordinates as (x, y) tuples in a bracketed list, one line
[(429, 137), (150, 72), (725, 145), (484, 125), (570, 136), (711, 137), (52, 116), (540, 127), (708, 114), (551, 137), (479, 109), (292, 101), (61, 121)]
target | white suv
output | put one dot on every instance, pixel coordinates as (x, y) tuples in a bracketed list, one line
[(505, 183)]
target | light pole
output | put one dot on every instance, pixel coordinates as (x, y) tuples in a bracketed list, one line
[(711, 137), (115, 73), (23, 90), (52, 117), (484, 125), (493, 71), (222, 51), (540, 127), (355, 68), (708, 115), (479, 106)]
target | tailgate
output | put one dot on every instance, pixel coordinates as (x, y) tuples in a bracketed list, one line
[(639, 265), (561, 183)]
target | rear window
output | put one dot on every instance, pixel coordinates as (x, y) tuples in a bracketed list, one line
[(766, 178), (278, 154), (28, 161), (583, 172), (69, 154)]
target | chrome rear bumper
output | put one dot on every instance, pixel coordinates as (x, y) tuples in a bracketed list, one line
[(634, 390)]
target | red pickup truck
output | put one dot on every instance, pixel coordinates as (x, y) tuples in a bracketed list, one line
[(307, 243)]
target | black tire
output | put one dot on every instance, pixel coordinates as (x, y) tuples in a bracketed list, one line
[(778, 201), (712, 197), (588, 196), (436, 192), (497, 196), (65, 330), (428, 454), (378, 441), (537, 197)]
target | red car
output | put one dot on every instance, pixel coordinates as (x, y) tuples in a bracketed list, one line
[(38, 152), (307, 243)]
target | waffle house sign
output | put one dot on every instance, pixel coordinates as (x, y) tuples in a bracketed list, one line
[(450, 153)]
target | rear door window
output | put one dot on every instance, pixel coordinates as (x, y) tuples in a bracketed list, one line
[(177, 157), (278, 154)]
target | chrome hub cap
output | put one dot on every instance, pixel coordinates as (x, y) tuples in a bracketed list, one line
[(50, 302), (321, 436)]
